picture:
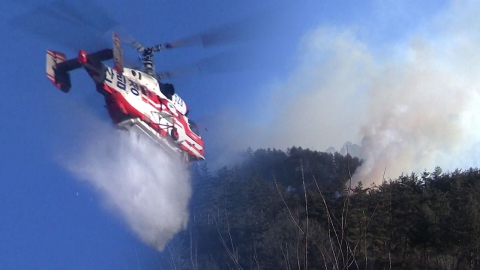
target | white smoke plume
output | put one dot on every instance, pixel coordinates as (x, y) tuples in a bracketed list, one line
[(149, 189), (415, 112), (423, 102), (412, 103)]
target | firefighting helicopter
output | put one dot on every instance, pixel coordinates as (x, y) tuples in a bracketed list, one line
[(134, 98)]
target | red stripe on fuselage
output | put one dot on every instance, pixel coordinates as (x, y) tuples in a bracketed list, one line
[(120, 99), (150, 101)]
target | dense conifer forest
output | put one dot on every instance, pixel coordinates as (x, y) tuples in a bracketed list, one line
[(296, 209)]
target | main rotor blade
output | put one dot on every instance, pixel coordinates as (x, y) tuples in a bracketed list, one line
[(224, 62), (253, 27), (184, 42), (127, 39), (73, 24), (179, 72)]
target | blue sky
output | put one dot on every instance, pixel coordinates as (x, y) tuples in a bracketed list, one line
[(349, 54)]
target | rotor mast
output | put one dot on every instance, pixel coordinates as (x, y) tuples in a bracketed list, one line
[(147, 55)]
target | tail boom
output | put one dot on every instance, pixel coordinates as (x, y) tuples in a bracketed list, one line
[(58, 67)]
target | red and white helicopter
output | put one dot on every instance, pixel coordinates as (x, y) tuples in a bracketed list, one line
[(134, 98)]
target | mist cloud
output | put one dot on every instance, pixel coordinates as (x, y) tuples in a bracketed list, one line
[(135, 179)]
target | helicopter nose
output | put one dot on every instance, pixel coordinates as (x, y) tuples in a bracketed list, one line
[(82, 57)]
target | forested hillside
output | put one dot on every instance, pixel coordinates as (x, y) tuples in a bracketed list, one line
[(295, 210)]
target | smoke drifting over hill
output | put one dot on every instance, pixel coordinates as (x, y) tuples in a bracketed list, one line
[(135, 179), (411, 102)]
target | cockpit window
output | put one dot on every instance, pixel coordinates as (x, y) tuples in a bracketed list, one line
[(167, 89), (193, 127)]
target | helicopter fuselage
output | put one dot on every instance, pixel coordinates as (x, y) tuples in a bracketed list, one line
[(135, 94), (134, 98)]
